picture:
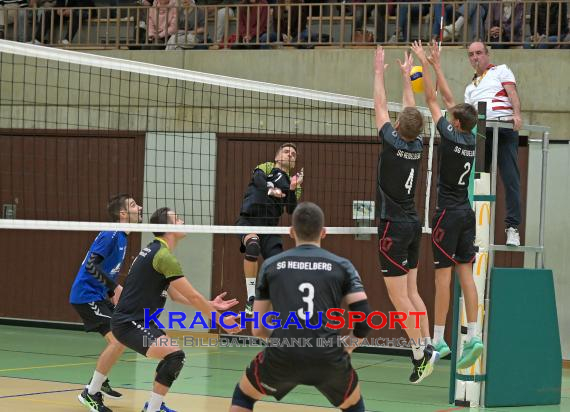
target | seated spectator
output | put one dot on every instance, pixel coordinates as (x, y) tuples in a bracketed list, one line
[(376, 15), (162, 22), (475, 14), (505, 23), (402, 33), (223, 15), (191, 27), (43, 16), (290, 20), (65, 11), (252, 21), (544, 20), (12, 13)]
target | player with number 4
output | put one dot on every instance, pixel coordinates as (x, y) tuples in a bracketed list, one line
[(453, 236), (400, 230)]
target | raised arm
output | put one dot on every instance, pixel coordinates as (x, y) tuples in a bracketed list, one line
[(429, 89), (435, 61), (408, 99), (380, 102)]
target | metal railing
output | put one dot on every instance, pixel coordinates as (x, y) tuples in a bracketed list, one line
[(527, 24)]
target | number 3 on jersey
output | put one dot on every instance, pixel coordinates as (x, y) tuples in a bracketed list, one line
[(410, 181), (308, 299)]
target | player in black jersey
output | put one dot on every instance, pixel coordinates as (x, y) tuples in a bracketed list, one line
[(307, 281), (453, 225), (399, 231), (270, 192), (154, 275)]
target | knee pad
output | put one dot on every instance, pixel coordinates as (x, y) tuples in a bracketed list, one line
[(241, 399), (252, 249), (169, 368), (357, 407)]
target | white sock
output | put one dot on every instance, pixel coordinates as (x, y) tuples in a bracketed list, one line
[(250, 285), (418, 351), (427, 340), (96, 382), (154, 402), (459, 23), (438, 331), (471, 330)]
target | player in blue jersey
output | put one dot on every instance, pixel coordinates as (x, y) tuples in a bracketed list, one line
[(95, 292)]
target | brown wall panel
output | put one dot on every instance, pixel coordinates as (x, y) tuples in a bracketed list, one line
[(59, 175)]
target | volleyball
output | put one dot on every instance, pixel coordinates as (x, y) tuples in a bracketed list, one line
[(416, 76)]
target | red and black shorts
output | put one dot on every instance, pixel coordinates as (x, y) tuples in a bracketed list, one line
[(453, 237), (398, 246), (276, 374)]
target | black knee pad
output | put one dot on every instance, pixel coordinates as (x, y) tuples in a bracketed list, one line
[(252, 249), (357, 407), (169, 368), (241, 399)]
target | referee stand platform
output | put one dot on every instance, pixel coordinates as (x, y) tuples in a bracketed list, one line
[(522, 361)]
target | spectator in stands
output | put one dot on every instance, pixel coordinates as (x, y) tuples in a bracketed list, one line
[(252, 21), (162, 20), (12, 13), (402, 33), (66, 11), (476, 13), (223, 16), (290, 20), (191, 27), (505, 23), (43, 15), (375, 16), (544, 23)]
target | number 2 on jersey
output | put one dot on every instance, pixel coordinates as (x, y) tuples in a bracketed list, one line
[(467, 167), (310, 289), (410, 181)]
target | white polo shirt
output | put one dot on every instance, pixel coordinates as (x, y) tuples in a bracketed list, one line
[(490, 88)]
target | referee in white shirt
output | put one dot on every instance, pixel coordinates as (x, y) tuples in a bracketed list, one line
[(496, 86)]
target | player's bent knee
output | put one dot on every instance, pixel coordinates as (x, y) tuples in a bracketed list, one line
[(252, 249), (241, 399), (169, 368)]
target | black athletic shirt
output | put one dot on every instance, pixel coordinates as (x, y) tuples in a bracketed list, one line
[(398, 168), (147, 282), (257, 203), (302, 279), (456, 156)]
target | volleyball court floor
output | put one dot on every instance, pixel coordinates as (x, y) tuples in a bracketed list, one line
[(45, 369)]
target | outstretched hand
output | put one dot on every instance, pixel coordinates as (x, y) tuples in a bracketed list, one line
[(406, 66), (435, 54), (297, 180), (379, 66), (419, 51), (220, 304)]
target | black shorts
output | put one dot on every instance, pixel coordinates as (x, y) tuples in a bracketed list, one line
[(270, 245), (275, 374), (453, 237), (398, 246), (96, 316), (134, 336)]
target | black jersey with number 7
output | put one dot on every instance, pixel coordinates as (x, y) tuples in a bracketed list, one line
[(398, 168)]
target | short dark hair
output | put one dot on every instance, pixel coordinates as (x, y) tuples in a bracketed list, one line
[(308, 221), (466, 114), (160, 217), (116, 204), (284, 145), (411, 123)]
